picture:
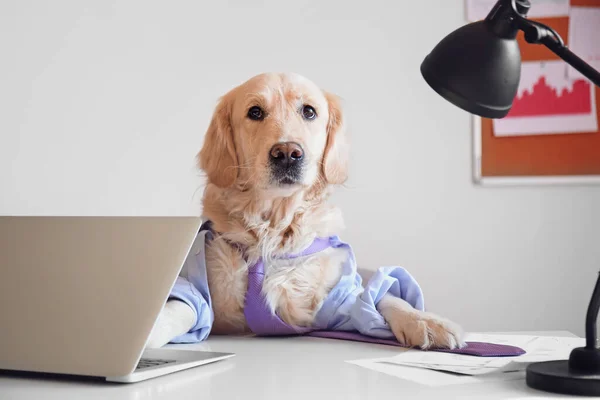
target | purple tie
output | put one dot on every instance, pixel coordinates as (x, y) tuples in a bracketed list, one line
[(263, 322), (480, 349), (259, 317)]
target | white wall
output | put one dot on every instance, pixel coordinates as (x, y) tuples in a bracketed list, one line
[(103, 106)]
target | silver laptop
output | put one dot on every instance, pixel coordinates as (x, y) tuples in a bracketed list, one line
[(80, 295)]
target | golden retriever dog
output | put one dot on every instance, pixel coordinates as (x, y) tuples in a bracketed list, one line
[(273, 152)]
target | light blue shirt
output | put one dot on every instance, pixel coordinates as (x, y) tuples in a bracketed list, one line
[(348, 307)]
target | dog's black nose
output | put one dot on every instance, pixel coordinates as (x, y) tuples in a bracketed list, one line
[(286, 154)]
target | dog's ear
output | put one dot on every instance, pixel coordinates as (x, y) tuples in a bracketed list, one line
[(218, 157), (335, 157)]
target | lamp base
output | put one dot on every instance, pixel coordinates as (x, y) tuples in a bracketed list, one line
[(556, 377)]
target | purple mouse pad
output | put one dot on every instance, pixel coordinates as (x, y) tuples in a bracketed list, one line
[(479, 349)]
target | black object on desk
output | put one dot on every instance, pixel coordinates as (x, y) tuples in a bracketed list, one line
[(478, 68)]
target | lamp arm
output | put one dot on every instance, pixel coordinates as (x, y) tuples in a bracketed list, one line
[(592, 317), (538, 33)]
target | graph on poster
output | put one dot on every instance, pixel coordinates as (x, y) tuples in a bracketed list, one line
[(548, 101), (544, 99), (551, 134)]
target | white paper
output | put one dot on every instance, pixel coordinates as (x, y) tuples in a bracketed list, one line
[(448, 362), (584, 32), (479, 9), (430, 377), (548, 101), (439, 368), (538, 348)]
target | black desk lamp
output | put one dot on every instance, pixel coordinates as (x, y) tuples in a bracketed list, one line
[(478, 68)]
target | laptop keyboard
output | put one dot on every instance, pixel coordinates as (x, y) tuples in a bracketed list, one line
[(151, 362)]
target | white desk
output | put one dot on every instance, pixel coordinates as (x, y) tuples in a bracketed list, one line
[(271, 369)]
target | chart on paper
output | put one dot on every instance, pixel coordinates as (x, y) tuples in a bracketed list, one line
[(558, 143), (549, 101)]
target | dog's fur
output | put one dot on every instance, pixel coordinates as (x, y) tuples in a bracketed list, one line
[(250, 207)]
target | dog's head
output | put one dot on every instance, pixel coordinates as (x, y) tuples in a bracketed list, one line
[(275, 132)]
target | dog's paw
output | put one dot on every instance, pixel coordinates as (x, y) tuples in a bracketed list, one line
[(426, 331), (158, 338), (420, 329), (175, 319)]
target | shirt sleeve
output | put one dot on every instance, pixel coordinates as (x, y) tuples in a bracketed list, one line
[(352, 307), (191, 288)]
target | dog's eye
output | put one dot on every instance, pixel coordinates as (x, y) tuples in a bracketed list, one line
[(308, 112), (256, 113)]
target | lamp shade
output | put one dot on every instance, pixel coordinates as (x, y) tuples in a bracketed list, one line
[(477, 68)]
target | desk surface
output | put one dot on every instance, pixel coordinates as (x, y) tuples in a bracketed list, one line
[(271, 368)]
